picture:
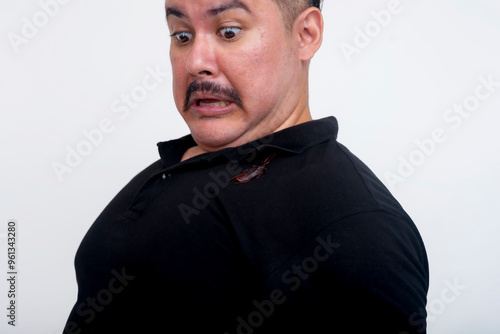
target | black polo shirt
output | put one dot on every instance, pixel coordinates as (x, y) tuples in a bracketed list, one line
[(313, 244)]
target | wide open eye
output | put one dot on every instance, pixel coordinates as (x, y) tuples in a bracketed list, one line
[(229, 33), (182, 37)]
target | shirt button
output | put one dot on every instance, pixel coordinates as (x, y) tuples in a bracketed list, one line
[(166, 176)]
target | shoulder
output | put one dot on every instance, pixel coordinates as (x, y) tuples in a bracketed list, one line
[(329, 174)]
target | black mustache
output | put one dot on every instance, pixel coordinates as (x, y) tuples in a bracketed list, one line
[(212, 88)]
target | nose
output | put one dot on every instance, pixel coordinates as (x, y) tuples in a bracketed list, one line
[(201, 61)]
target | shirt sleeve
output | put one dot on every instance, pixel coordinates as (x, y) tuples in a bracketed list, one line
[(367, 273)]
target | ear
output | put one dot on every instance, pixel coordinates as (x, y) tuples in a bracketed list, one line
[(308, 28)]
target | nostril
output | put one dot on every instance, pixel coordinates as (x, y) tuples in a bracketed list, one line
[(204, 73)]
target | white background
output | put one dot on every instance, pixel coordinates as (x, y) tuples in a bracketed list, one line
[(394, 91)]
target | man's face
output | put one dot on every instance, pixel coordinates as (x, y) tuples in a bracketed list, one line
[(235, 69)]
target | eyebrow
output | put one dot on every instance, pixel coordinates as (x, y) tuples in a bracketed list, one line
[(211, 12), (175, 12), (230, 5)]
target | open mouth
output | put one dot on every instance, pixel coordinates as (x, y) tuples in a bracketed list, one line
[(211, 103)]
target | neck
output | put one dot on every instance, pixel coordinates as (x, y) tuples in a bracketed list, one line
[(303, 117)]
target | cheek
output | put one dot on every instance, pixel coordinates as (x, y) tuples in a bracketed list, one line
[(257, 72), (179, 77), (261, 56)]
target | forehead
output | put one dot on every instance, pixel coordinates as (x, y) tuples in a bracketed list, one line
[(184, 9)]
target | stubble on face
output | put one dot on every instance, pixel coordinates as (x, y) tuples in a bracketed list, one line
[(257, 73)]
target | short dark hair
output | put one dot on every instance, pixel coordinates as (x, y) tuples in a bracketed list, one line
[(292, 8), (317, 3)]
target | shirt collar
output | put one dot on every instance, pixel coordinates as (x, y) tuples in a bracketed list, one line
[(295, 139)]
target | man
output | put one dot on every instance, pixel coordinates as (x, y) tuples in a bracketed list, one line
[(259, 221)]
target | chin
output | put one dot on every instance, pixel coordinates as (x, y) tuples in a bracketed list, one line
[(216, 135)]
